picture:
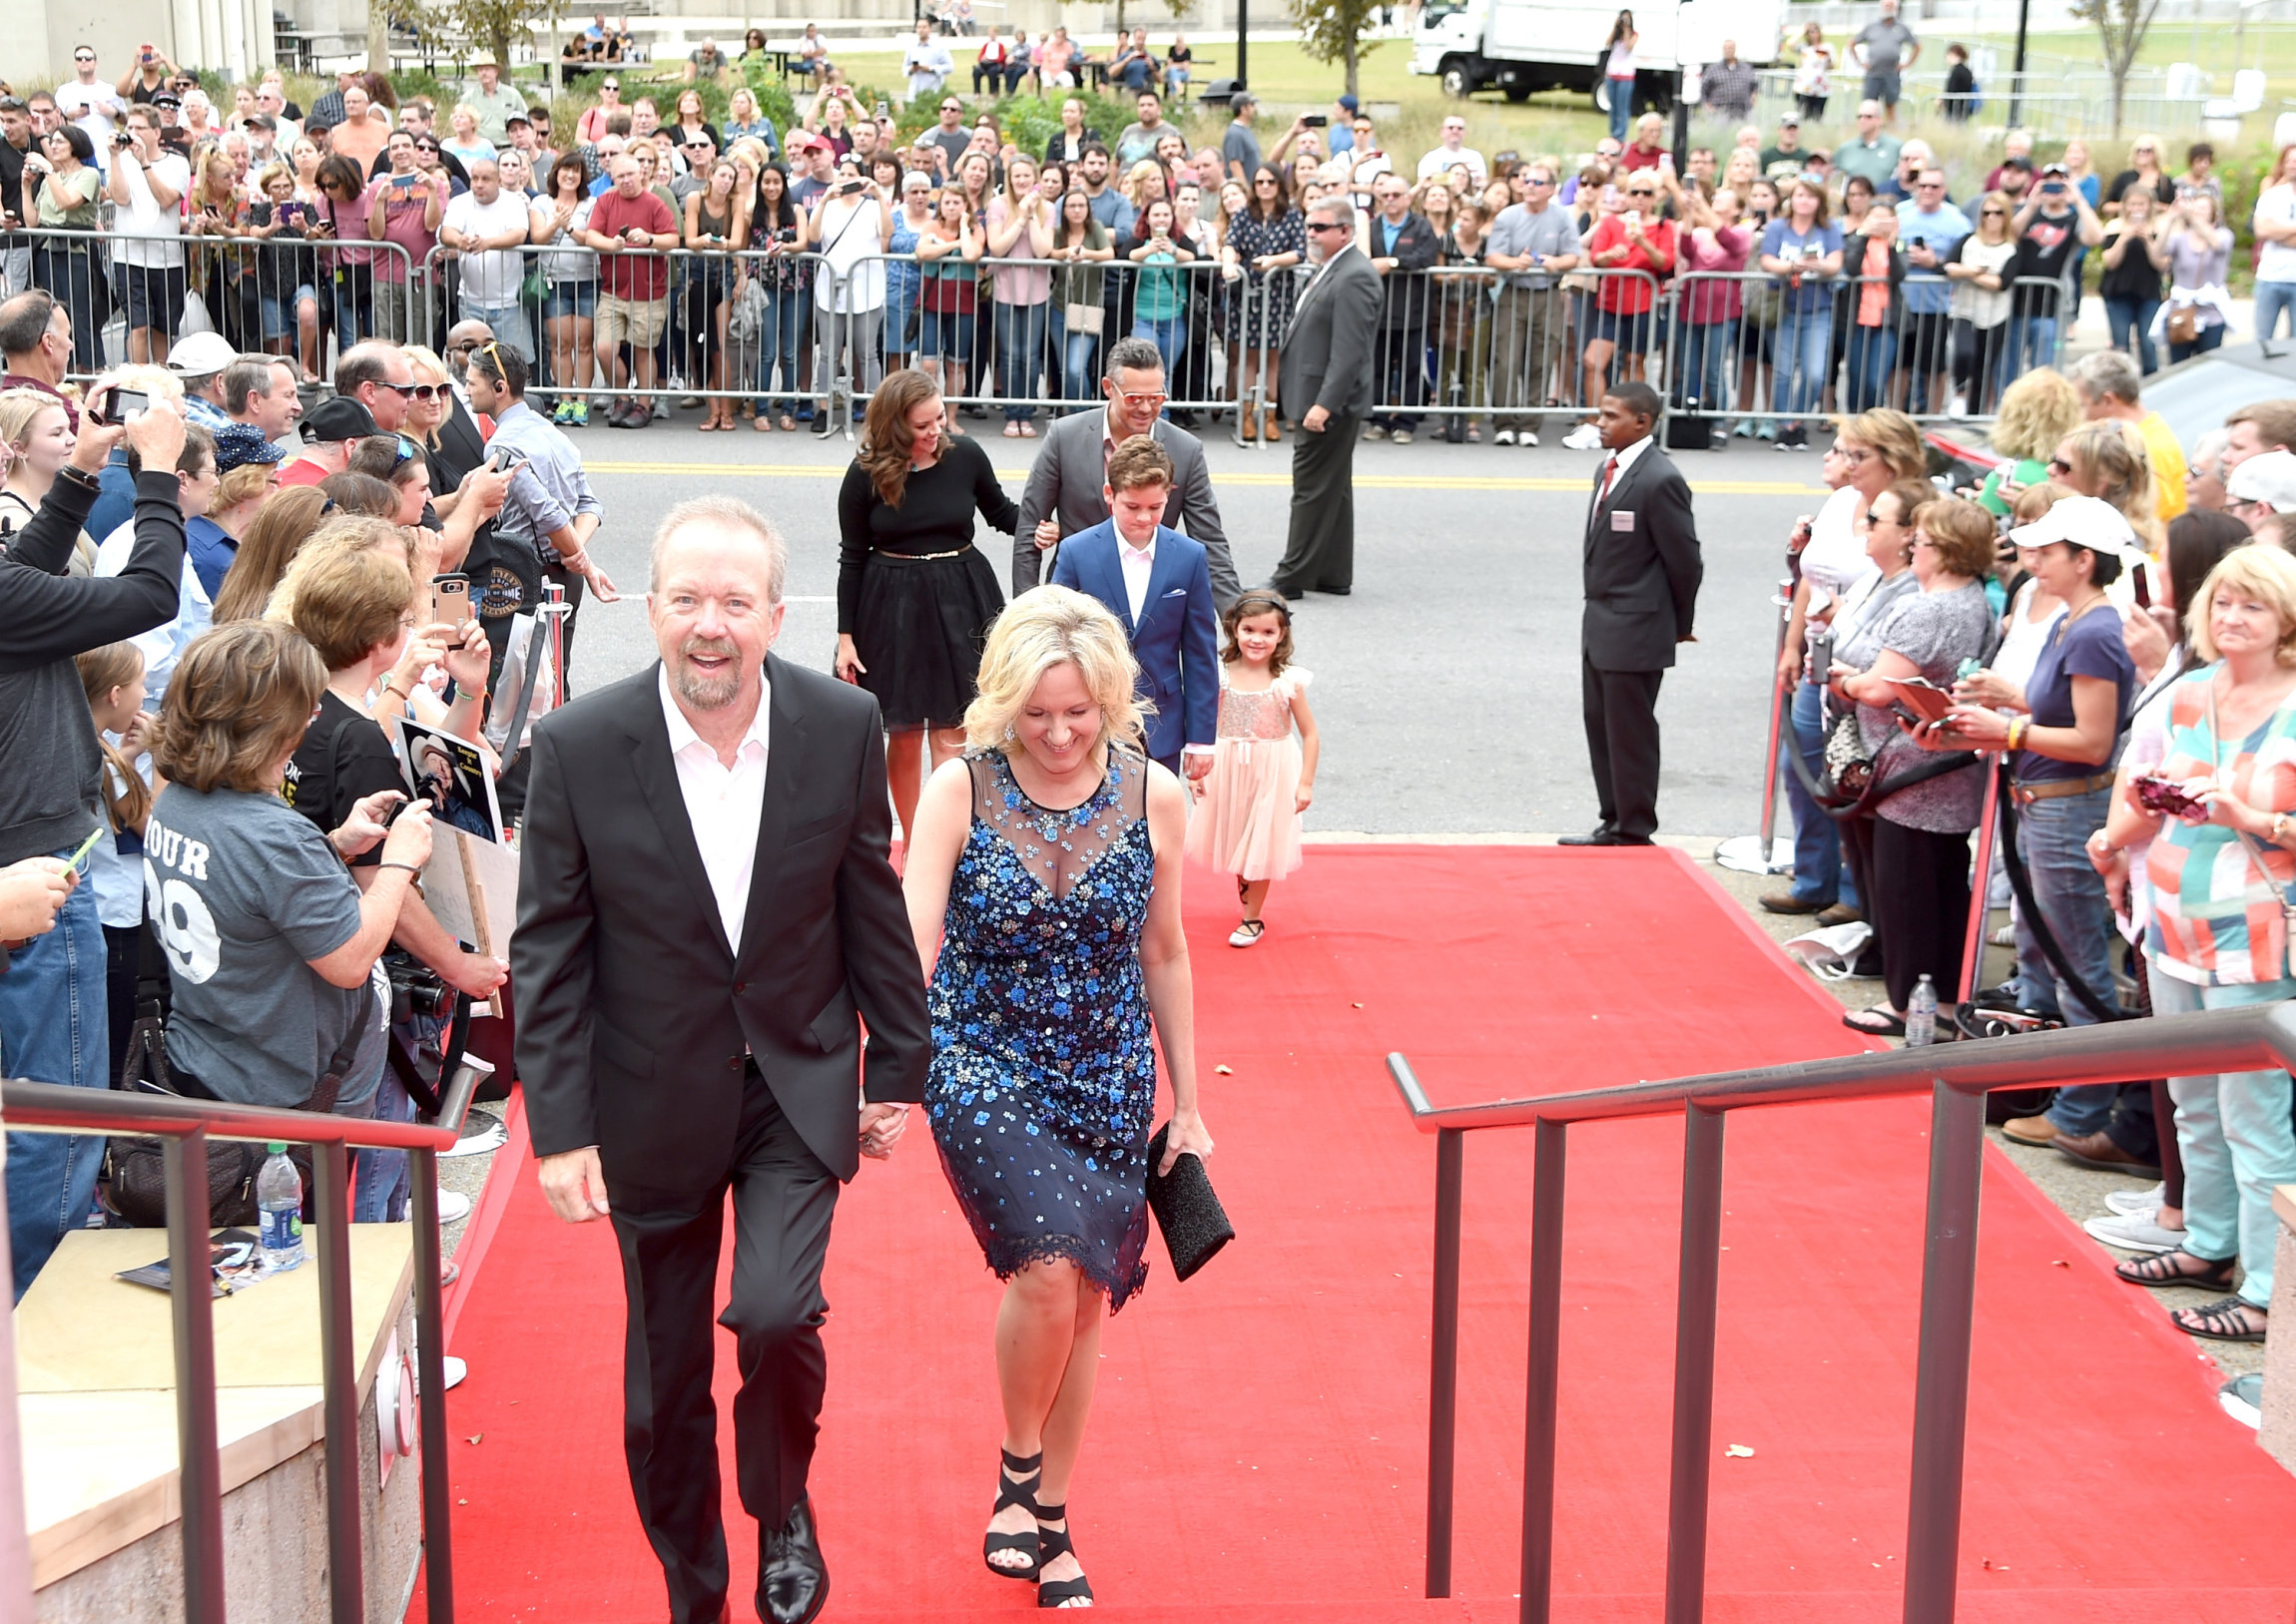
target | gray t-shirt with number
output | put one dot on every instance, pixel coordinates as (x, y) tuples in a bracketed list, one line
[(245, 891)]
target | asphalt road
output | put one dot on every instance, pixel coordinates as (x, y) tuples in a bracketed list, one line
[(1446, 683)]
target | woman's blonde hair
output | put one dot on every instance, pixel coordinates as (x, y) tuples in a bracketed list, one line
[(237, 707), (102, 671), (1045, 627), (337, 539), (2038, 410), (2264, 573), (20, 409), (2113, 455), (245, 483), (1890, 435)]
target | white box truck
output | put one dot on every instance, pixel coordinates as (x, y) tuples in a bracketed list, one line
[(1521, 46)]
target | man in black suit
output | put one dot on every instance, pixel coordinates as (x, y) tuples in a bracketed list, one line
[(705, 903), (1326, 387), (1641, 575), (1067, 483)]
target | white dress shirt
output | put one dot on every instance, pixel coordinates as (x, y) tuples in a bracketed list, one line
[(724, 804), (1139, 563)]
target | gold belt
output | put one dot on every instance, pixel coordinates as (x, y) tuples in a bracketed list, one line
[(2051, 789), (919, 558)]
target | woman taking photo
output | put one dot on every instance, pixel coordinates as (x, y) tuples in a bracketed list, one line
[(1048, 858), (1910, 848), (716, 218), (1618, 74), (1264, 241), (1080, 248), (61, 185), (2210, 946), (1980, 303), (777, 260), (342, 186), (2199, 250), (2062, 732), (2144, 171), (1020, 226), (1160, 297), (914, 596), (948, 255), (301, 938), (570, 273), (2134, 256)]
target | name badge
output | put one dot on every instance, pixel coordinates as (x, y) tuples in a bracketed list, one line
[(1621, 519)]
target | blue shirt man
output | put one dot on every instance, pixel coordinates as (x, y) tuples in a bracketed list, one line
[(1933, 231)]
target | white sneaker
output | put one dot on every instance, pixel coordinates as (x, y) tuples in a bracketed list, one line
[(1504, 436), (2135, 1233), (2242, 1398), (661, 410), (453, 1206), (456, 1370), (1528, 438), (1960, 407), (2130, 1202), (1585, 437)]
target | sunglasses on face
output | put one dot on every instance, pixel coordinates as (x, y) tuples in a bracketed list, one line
[(1325, 225), (77, 57)]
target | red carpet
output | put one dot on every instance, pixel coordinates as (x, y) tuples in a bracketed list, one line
[(1259, 1446)]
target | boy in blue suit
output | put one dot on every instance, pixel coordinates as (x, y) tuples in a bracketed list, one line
[(1158, 584)]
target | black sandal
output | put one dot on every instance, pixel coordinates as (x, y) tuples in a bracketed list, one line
[(1015, 1485), (2220, 1321), (1890, 1025), (1051, 1544), (2215, 1273)]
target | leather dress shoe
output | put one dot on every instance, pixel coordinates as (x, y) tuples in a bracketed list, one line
[(1788, 902), (1603, 837), (2098, 1151), (792, 1580)]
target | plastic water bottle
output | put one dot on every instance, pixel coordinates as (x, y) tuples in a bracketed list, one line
[(278, 1205), (1921, 1015)]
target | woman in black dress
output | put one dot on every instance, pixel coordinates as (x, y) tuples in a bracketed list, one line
[(914, 596)]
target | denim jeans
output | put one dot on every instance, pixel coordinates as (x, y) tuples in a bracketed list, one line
[(778, 346), (1819, 875), (1169, 334), (2273, 297), (1020, 355), (509, 323), (1804, 339), (2210, 339), (1872, 355), (1074, 352), (2233, 1132), (2036, 345), (1708, 348), (2132, 317), (55, 1028), (2052, 839), (1622, 107)]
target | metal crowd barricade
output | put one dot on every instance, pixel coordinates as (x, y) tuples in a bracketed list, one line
[(1025, 335), (737, 325), (247, 288)]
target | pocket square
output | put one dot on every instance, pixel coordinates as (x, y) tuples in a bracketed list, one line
[(1177, 592)]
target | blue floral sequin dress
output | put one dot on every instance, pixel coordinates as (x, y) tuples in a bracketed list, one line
[(1044, 1081)]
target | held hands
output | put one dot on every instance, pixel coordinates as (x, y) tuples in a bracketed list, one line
[(409, 838), (574, 1184), (369, 822), (1187, 1137), (882, 1126), (1198, 766)]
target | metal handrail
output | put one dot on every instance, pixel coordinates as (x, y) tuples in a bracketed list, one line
[(184, 1127), (1957, 1077)]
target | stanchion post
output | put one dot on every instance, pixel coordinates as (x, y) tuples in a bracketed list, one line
[(339, 1366), (1549, 1150), (431, 1385), (554, 609), (191, 1295), (1989, 826), (1696, 1301), (1443, 1374), (1731, 853), (1941, 1378)]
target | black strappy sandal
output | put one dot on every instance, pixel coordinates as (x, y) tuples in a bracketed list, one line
[(2224, 1321), (1053, 1543), (1015, 1485), (2161, 1270)]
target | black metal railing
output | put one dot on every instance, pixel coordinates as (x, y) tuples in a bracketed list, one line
[(184, 1127), (1957, 1078)]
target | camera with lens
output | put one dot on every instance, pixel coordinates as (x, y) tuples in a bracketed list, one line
[(122, 141), (416, 990)]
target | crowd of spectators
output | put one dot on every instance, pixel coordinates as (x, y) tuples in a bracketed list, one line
[(2114, 619), (652, 251)]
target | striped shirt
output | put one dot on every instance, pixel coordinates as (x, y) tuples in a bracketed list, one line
[(2215, 921)]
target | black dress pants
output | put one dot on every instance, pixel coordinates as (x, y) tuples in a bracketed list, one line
[(1916, 887), (783, 1202), (1621, 709), (1319, 555)]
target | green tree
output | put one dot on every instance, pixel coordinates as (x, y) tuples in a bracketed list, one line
[(459, 27), (2122, 26), (1333, 30)]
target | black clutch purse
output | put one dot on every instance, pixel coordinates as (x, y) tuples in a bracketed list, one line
[(1194, 1223)]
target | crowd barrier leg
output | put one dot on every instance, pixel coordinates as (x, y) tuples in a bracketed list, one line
[(1767, 852)]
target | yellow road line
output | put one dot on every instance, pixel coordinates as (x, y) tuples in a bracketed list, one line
[(1436, 482)]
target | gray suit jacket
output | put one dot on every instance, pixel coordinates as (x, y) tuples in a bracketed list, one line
[(1328, 349), (1065, 485)]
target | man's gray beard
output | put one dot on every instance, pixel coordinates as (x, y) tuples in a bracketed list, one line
[(706, 693), (1316, 250)]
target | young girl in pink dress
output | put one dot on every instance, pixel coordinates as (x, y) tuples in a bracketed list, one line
[(1247, 822)]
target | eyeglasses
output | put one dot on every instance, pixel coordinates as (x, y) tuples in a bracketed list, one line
[(1849, 454)]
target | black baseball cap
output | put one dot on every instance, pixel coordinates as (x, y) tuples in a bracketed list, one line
[(336, 419)]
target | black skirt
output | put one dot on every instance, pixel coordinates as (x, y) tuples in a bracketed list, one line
[(920, 629)]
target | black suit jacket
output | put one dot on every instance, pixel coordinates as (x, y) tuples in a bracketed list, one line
[(1417, 246), (1642, 566), (1327, 357), (634, 1011)]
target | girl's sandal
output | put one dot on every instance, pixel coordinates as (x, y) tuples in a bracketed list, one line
[(1246, 932), (2164, 1269), (1015, 1485), (2227, 1320), (1053, 1543)]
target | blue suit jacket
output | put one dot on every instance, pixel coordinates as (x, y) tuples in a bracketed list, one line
[(1177, 640)]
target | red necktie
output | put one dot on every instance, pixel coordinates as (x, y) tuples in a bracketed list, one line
[(1609, 473)]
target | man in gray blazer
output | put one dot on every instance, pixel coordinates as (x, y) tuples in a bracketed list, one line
[(1326, 387), (1071, 471)]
